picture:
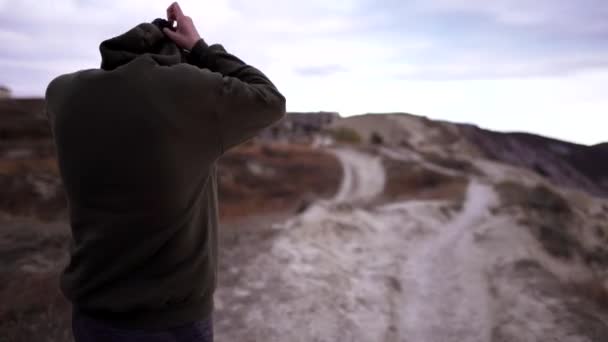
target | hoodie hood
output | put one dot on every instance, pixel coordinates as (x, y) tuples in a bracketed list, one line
[(143, 39)]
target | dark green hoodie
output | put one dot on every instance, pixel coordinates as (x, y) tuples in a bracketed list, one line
[(137, 143)]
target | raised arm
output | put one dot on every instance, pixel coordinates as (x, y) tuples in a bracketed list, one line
[(247, 99)]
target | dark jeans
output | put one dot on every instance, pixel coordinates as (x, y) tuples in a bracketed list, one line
[(86, 329)]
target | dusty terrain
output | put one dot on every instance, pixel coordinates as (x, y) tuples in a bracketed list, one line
[(414, 230), (567, 164), (357, 269)]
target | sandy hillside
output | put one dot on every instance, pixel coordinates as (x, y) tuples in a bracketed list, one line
[(358, 268)]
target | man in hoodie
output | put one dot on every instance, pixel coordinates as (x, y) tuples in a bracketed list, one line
[(137, 143)]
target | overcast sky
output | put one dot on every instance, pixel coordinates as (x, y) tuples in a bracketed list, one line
[(526, 65)]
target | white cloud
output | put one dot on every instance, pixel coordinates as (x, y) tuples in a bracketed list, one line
[(583, 16), (359, 56), (475, 66), (569, 107), (11, 38)]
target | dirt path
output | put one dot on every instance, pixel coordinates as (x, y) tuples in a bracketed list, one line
[(349, 270), (448, 293), (363, 178), (336, 272)]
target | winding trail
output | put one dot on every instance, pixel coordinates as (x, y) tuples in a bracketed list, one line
[(448, 294), (363, 179), (349, 269)]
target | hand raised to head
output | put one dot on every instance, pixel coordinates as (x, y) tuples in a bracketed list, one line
[(185, 34)]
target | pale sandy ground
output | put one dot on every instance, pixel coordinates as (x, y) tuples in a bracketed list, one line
[(350, 270)]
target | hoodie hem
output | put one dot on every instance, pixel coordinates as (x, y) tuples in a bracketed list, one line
[(152, 320)]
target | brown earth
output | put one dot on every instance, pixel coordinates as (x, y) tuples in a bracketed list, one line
[(31, 306), (261, 179), (408, 180)]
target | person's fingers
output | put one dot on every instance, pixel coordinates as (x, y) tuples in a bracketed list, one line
[(177, 11), (174, 36), (171, 12)]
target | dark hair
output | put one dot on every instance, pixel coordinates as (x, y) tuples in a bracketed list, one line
[(162, 24)]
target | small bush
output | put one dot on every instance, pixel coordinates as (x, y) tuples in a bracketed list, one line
[(600, 232), (549, 217), (597, 257), (557, 240), (376, 139), (540, 199), (346, 135), (406, 144), (593, 289)]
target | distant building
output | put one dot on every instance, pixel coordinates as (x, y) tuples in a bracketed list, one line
[(5, 92)]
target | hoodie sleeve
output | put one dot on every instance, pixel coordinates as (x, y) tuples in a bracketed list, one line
[(247, 101)]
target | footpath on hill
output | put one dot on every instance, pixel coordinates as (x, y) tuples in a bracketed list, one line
[(350, 269)]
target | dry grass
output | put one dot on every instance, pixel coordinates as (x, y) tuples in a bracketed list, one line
[(539, 198), (31, 187), (548, 214), (552, 221), (14, 167), (33, 309), (346, 135), (412, 181), (27, 293), (33, 193), (288, 174), (31, 306)]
